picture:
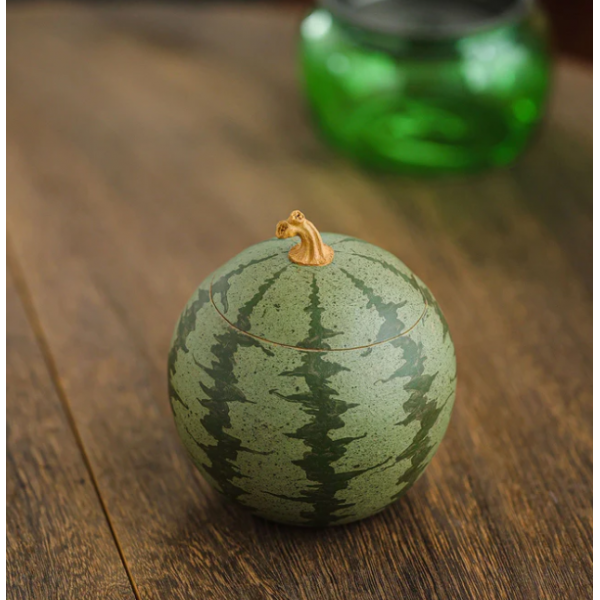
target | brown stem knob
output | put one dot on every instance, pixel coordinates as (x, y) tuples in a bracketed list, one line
[(311, 251)]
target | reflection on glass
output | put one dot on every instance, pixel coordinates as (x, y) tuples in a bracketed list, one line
[(438, 104)]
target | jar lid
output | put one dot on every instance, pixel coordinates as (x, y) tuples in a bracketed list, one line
[(352, 295), (427, 19)]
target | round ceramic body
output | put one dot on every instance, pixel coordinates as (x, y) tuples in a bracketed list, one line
[(395, 92), (312, 395)]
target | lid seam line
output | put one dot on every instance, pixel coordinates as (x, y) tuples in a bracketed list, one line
[(300, 348)]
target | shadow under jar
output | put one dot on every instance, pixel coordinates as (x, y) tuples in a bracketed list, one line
[(427, 86)]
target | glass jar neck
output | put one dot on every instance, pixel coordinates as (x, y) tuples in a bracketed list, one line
[(424, 48)]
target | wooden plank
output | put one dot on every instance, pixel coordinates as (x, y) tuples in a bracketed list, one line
[(140, 144), (59, 544)]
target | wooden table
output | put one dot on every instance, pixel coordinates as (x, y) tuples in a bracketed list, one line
[(149, 145)]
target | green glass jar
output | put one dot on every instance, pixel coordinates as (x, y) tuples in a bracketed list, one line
[(427, 86)]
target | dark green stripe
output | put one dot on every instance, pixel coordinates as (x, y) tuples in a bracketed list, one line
[(224, 391), (243, 319), (414, 283), (321, 403), (388, 311), (438, 311), (420, 447), (222, 285), (216, 400), (418, 408), (410, 279), (345, 240), (185, 325)]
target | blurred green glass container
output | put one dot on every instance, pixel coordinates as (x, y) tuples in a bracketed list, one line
[(427, 86)]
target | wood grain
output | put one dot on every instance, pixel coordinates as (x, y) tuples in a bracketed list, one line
[(59, 544), (140, 141)]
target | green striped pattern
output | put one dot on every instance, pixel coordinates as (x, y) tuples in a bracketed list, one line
[(280, 315), (185, 326), (305, 409), (321, 402)]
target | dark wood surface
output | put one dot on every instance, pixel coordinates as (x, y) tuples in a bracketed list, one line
[(146, 146), (59, 543)]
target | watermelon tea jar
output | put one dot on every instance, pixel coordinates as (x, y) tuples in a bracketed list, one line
[(312, 382)]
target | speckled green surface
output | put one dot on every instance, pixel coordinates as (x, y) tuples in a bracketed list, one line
[(312, 395)]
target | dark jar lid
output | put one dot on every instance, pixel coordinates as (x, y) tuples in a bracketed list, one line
[(428, 19)]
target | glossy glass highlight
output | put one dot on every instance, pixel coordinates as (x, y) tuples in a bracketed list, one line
[(430, 105)]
